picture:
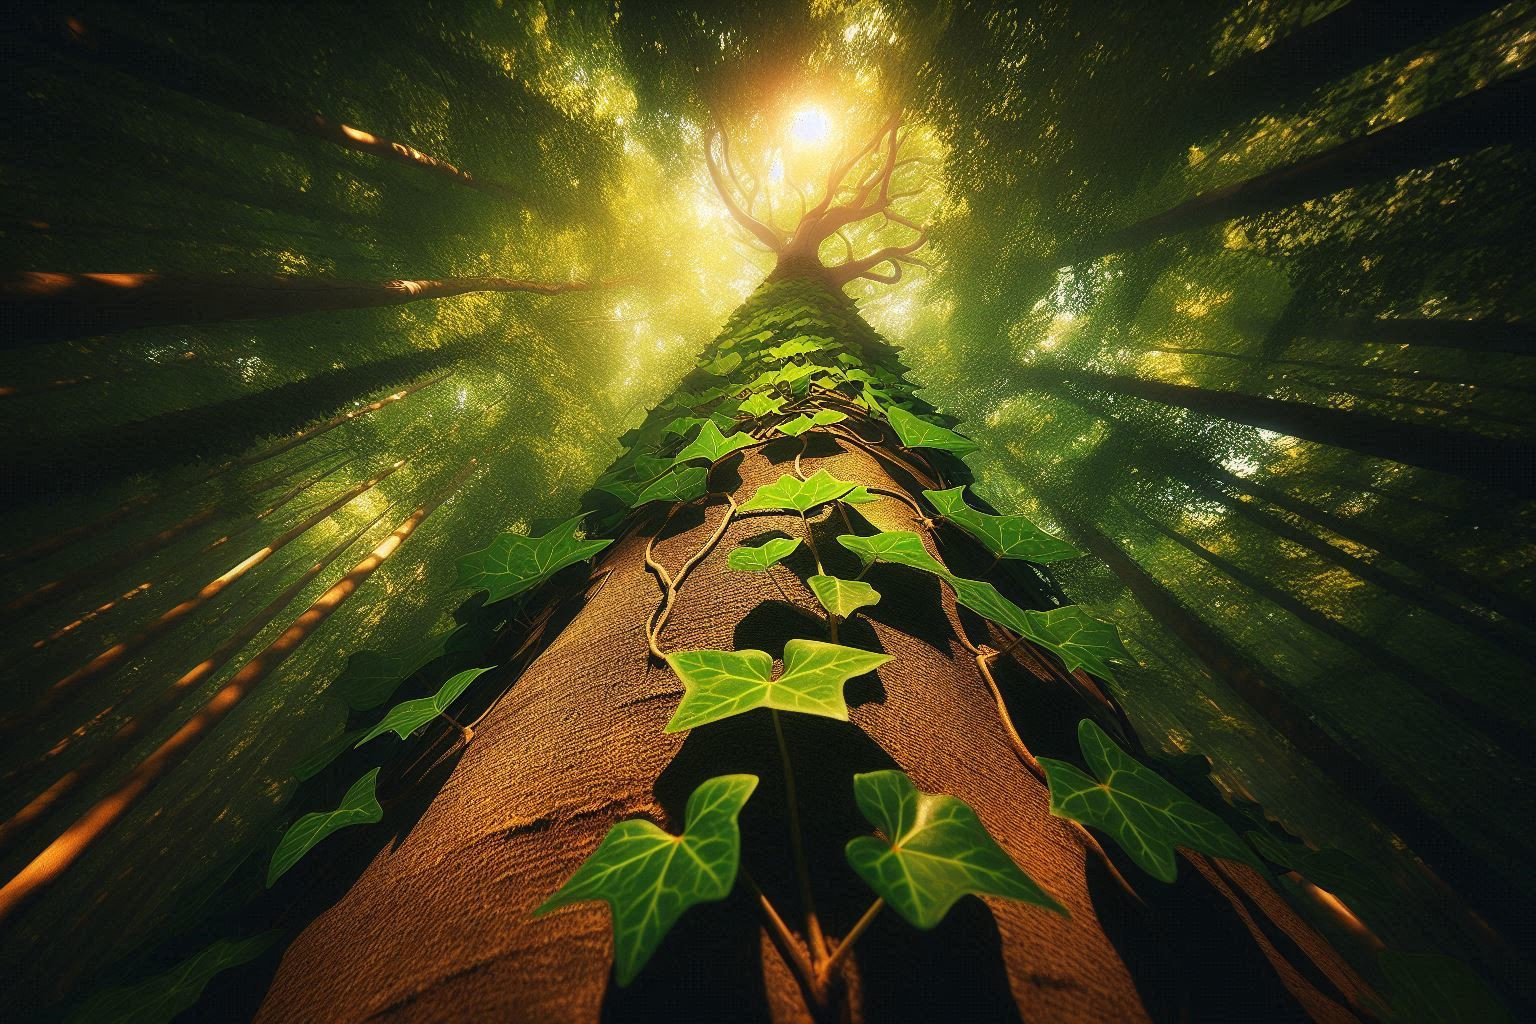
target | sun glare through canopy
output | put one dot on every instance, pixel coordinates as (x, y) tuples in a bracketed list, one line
[(810, 126)]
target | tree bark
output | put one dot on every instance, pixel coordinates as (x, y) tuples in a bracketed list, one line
[(1509, 465), (1499, 114), (44, 307)]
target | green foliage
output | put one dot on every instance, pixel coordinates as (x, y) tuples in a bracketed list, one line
[(1139, 809), (842, 597), (763, 556), (1350, 879), (934, 851), (682, 484), (164, 997), (789, 492), (649, 878), (1430, 989), (762, 404), (358, 806), (720, 684), (514, 563), (713, 446), (405, 718), (916, 432), (371, 677), (327, 752), (800, 424), (901, 547), (1004, 536)]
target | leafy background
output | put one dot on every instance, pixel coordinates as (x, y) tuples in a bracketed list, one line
[(1341, 574)]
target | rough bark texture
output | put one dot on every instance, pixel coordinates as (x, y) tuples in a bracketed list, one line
[(439, 926)]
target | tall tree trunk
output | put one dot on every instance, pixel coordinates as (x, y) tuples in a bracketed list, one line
[(1495, 462), (440, 926), (1504, 336), (41, 307), (1502, 113)]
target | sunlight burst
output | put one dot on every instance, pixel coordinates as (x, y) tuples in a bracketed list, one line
[(810, 126)]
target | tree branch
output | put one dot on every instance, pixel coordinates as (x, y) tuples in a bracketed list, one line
[(763, 232)]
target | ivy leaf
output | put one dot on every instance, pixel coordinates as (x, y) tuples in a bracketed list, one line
[(164, 997), (625, 492), (649, 877), (1078, 639), (758, 559), (795, 374), (1139, 809), (760, 405), (801, 346), (1431, 989), (713, 445), (723, 365), (370, 676), (1004, 536), (903, 547), (682, 484), (800, 424), (935, 851), (329, 751), (842, 597), (682, 424), (720, 684), (405, 718), (916, 432), (358, 807), (789, 492), (514, 563)]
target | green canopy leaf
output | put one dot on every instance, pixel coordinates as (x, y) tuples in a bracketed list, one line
[(682, 424), (682, 484), (916, 432), (1139, 809), (789, 492), (934, 851), (712, 445), (164, 997), (405, 718), (720, 684), (903, 547), (649, 877), (800, 424), (358, 807), (1005, 536), (723, 365), (514, 563), (1077, 638), (842, 597), (758, 559), (760, 405)]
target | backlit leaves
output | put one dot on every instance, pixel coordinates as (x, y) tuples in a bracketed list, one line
[(713, 445), (934, 851), (164, 997), (358, 807), (760, 405), (800, 424), (1005, 536), (514, 563), (902, 547), (720, 684), (789, 492), (405, 718), (1138, 808), (842, 597), (682, 484), (760, 558), (649, 878), (916, 432)]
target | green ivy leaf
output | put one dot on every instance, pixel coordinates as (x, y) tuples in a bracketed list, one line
[(1431, 989), (842, 597), (514, 563), (682, 484), (916, 432), (649, 877), (682, 424), (760, 405), (625, 492), (720, 684), (758, 559), (405, 718), (164, 997), (723, 365), (1139, 809), (800, 424), (801, 346), (713, 445), (903, 547), (329, 751), (1004, 536), (358, 807), (371, 677), (788, 492), (935, 851), (1074, 636)]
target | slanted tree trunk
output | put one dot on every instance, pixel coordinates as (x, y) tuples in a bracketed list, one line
[(1500, 114), (41, 307), (440, 926), (1505, 336)]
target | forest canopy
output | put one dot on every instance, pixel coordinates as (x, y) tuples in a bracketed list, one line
[(1232, 298)]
